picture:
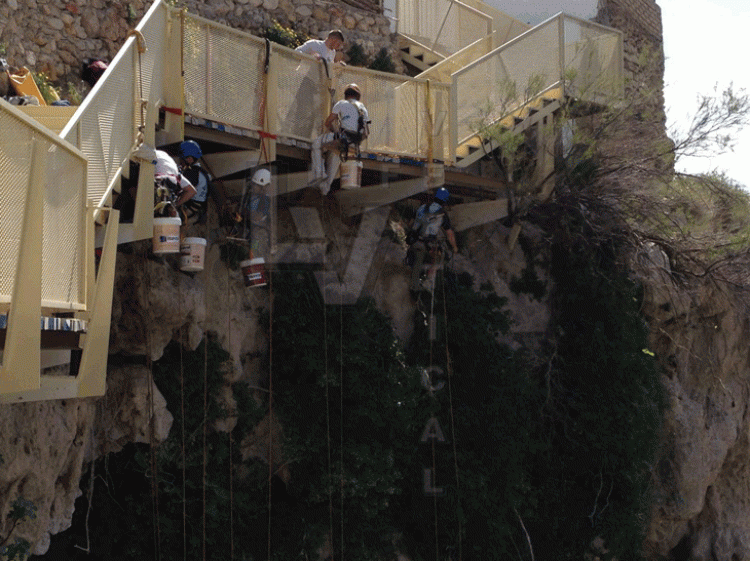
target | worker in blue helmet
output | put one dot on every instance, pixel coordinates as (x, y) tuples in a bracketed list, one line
[(191, 153), (428, 235)]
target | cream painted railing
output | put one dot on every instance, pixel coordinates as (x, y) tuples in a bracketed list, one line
[(144, 75), (446, 26), (504, 26), (583, 57), (282, 92), (46, 236)]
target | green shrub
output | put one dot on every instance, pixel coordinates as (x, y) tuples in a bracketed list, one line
[(284, 35), (356, 55), (383, 62)]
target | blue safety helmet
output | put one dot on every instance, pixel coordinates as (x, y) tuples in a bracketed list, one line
[(190, 148), (442, 195)]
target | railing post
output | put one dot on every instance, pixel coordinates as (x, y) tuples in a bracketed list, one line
[(22, 357), (453, 121), (561, 54), (208, 71), (271, 96)]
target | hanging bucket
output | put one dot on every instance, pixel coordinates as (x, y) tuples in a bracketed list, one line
[(192, 254), (351, 174), (167, 235), (254, 272)]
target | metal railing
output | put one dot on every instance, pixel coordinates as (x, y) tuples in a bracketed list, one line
[(582, 58), (60, 186), (106, 125), (446, 26), (504, 27), (235, 78)]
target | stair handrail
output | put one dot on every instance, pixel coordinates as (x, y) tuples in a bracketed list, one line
[(555, 27), (445, 50), (105, 126)]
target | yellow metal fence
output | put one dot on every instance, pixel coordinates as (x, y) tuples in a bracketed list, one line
[(63, 180), (564, 52), (446, 26), (105, 127)]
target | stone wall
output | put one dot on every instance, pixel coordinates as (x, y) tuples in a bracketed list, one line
[(53, 36)]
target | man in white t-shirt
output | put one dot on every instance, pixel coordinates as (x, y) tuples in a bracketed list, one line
[(172, 189), (324, 50), (348, 117)]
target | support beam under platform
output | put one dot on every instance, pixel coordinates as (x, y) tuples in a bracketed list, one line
[(475, 214), (223, 164), (356, 201)]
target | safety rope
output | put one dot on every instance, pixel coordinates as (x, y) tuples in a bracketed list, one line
[(231, 471), (205, 430), (270, 403), (430, 326), (263, 106), (328, 404), (341, 406), (449, 372), (182, 429), (152, 436)]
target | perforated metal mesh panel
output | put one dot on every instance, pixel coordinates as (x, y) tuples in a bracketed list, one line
[(223, 73), (15, 162), (300, 94), (105, 126), (152, 68), (64, 229), (64, 207), (593, 55), (396, 107), (484, 85), (449, 26), (195, 67)]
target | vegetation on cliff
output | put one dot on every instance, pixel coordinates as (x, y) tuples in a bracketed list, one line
[(503, 456)]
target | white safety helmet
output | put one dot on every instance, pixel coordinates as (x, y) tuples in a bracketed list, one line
[(262, 177)]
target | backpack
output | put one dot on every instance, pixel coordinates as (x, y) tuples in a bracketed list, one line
[(429, 221)]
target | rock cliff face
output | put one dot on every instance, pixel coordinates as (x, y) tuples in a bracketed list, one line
[(700, 332), (54, 37)]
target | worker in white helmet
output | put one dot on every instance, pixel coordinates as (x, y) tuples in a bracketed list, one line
[(256, 211)]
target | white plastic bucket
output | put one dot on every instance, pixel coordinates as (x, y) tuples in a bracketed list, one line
[(254, 272), (351, 174), (167, 234), (192, 254)]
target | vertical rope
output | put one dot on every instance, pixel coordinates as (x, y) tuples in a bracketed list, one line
[(231, 439), (151, 428), (182, 429), (328, 406), (341, 409), (449, 369), (430, 323), (270, 403), (205, 432)]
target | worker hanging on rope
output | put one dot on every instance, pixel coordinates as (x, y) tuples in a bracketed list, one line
[(172, 189), (428, 235), (347, 126), (190, 154), (255, 213)]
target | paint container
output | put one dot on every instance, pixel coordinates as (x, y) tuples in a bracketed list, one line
[(351, 174), (192, 254), (254, 272), (167, 235)]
